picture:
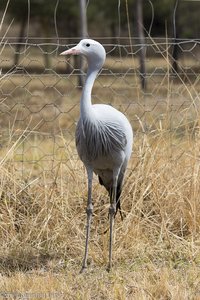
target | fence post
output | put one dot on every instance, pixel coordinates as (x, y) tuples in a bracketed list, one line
[(83, 31), (175, 50), (142, 52)]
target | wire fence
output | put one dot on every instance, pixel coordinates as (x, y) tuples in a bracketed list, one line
[(40, 92)]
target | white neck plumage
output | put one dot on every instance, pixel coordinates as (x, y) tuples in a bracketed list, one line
[(86, 104)]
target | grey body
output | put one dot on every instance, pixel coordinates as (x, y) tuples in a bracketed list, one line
[(100, 144), (104, 140)]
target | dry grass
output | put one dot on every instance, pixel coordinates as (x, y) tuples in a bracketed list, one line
[(156, 251), (42, 213)]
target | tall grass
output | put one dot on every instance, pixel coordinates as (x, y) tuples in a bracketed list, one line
[(156, 249)]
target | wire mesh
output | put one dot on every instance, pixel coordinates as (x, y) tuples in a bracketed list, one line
[(39, 95)]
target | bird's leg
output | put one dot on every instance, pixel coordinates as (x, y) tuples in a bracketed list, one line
[(89, 211), (112, 211)]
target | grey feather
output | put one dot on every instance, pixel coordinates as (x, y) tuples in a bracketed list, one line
[(102, 139)]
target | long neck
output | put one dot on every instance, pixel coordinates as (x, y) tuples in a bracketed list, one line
[(86, 104)]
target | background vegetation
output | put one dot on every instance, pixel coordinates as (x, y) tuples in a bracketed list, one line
[(106, 14)]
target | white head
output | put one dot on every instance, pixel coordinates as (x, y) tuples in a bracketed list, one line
[(92, 50)]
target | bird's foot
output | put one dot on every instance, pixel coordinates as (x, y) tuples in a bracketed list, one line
[(83, 269), (108, 269)]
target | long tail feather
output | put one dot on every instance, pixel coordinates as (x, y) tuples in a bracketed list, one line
[(119, 190), (118, 203)]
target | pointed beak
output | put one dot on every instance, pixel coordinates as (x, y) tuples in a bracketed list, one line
[(72, 51)]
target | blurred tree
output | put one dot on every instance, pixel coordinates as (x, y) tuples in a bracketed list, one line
[(110, 16), (162, 20), (140, 33), (42, 13), (175, 35), (84, 34), (20, 13), (188, 19), (105, 18)]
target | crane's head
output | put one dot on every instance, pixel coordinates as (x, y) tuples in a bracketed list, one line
[(92, 50)]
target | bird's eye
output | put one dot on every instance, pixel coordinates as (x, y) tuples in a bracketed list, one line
[(87, 45)]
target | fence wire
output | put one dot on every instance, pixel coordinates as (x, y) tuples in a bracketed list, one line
[(40, 92)]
